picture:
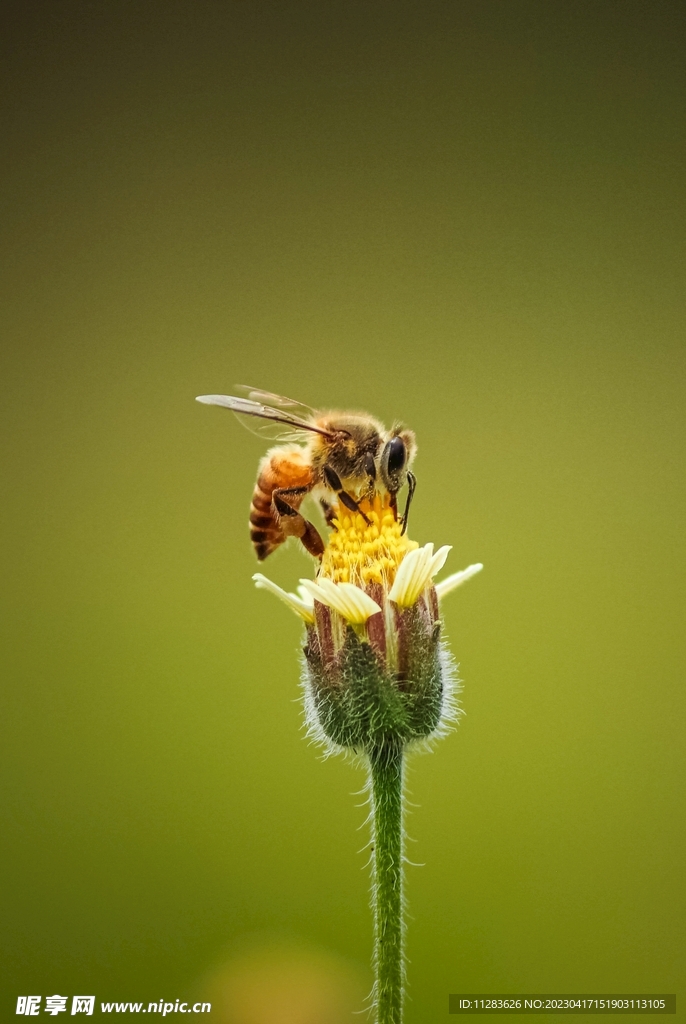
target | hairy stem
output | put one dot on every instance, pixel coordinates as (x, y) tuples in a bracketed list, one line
[(386, 773)]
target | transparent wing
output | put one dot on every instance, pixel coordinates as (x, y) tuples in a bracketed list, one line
[(287, 405), (276, 418)]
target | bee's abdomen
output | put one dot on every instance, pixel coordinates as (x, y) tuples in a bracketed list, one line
[(265, 533), (280, 468)]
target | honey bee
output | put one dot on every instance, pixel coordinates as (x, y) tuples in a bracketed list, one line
[(348, 455)]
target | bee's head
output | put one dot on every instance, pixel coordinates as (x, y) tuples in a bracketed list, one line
[(396, 458)]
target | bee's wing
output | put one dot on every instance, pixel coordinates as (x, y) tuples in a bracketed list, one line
[(287, 405), (276, 418)]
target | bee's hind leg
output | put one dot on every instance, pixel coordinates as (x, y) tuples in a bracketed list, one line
[(293, 523)]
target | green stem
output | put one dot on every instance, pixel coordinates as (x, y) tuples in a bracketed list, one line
[(386, 772)]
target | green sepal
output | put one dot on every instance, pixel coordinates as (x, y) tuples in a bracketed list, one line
[(361, 705)]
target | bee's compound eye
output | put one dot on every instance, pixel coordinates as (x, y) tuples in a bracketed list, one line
[(395, 455)]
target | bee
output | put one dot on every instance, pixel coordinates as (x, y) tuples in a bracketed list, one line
[(347, 455)]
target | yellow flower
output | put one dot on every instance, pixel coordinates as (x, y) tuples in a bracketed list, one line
[(376, 670), (361, 554)]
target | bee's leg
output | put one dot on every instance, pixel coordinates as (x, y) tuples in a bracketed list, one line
[(327, 509), (411, 484), (334, 482), (393, 502), (370, 466), (293, 523)]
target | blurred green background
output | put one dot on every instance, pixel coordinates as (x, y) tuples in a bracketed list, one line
[(468, 215)]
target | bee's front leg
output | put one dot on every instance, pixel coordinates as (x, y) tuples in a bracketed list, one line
[(411, 484), (334, 481), (393, 502), (370, 466), (293, 523)]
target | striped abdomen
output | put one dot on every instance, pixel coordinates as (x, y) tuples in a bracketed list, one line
[(283, 467)]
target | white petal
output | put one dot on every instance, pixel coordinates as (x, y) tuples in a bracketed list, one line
[(438, 560), (306, 596), (457, 578), (416, 569), (316, 591), (420, 570), (303, 608), (400, 590), (359, 601), (348, 600)]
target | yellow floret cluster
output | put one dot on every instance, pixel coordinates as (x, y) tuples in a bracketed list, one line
[(363, 553)]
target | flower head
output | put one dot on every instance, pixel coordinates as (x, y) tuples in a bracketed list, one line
[(376, 671)]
